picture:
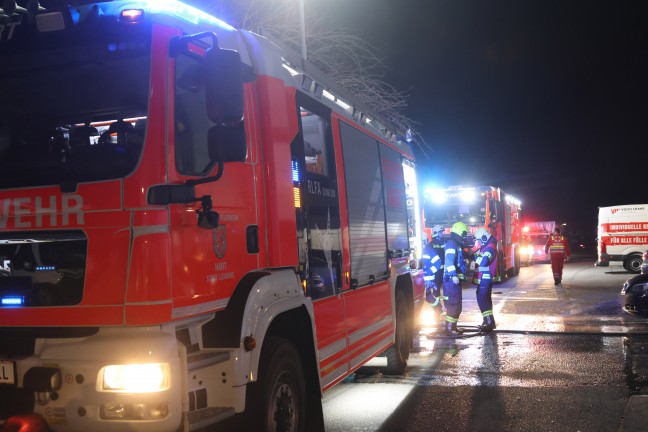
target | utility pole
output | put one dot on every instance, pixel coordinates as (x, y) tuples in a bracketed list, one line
[(302, 29)]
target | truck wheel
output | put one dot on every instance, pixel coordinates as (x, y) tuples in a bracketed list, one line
[(278, 399), (633, 263), (398, 354)]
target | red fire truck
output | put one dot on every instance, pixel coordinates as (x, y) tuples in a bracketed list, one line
[(480, 206), (193, 224)]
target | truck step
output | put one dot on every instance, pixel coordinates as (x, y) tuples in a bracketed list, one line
[(203, 359), (208, 416)]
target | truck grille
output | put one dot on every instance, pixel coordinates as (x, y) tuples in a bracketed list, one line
[(42, 268)]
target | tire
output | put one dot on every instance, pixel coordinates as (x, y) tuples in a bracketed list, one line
[(398, 354), (278, 399), (633, 263)]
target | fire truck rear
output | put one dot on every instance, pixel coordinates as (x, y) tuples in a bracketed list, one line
[(480, 206), (193, 224)]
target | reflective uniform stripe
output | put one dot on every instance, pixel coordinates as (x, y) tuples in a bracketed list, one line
[(448, 251), (436, 258), (438, 299), (487, 313), (484, 269), (485, 276), (428, 278), (452, 320), (451, 268), (426, 256)]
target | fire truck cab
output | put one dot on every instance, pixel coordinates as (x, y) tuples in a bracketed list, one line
[(194, 224)]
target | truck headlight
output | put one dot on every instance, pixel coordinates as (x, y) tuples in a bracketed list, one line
[(135, 378)]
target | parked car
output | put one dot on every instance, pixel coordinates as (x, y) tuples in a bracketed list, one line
[(634, 294)]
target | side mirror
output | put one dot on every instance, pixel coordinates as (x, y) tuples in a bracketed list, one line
[(223, 85)]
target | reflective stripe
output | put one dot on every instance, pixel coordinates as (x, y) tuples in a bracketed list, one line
[(487, 313), (452, 320), (437, 299), (488, 254), (425, 256), (485, 276), (484, 269), (448, 251), (451, 268), (436, 258), (428, 278)]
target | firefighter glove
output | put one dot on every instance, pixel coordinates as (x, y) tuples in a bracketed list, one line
[(455, 280)]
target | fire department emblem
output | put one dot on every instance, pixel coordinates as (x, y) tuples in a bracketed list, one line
[(220, 243)]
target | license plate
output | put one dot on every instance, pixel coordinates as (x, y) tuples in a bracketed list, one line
[(7, 372)]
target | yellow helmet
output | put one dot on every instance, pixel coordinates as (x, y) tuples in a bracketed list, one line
[(460, 229)]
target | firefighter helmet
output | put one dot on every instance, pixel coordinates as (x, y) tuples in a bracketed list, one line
[(482, 234), (437, 231), (460, 229)]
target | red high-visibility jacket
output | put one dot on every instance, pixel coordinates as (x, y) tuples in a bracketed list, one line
[(557, 244)]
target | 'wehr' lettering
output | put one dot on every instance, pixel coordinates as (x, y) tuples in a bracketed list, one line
[(38, 212)]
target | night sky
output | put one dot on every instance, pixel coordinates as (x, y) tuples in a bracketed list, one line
[(546, 99)]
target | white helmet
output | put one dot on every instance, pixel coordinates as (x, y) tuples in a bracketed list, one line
[(482, 234), (437, 231)]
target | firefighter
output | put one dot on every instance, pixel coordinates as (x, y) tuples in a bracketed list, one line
[(433, 268), (558, 248), (454, 272), (486, 260)]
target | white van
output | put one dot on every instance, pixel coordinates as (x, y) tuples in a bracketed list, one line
[(623, 236)]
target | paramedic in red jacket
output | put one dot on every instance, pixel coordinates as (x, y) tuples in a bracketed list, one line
[(558, 248)]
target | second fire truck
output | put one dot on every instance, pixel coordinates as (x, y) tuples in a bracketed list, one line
[(479, 206)]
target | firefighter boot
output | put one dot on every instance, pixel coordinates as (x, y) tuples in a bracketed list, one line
[(488, 325), (451, 329)]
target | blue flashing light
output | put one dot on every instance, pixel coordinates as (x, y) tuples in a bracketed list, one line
[(45, 268), (295, 171), (13, 301), (436, 196), (184, 11), (468, 195)]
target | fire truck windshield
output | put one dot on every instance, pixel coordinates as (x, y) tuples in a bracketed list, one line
[(449, 213), (72, 114)]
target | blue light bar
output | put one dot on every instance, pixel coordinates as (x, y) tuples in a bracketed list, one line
[(184, 11), (13, 301), (45, 268), (295, 171)]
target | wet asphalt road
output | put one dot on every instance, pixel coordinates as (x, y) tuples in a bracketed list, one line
[(563, 358)]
